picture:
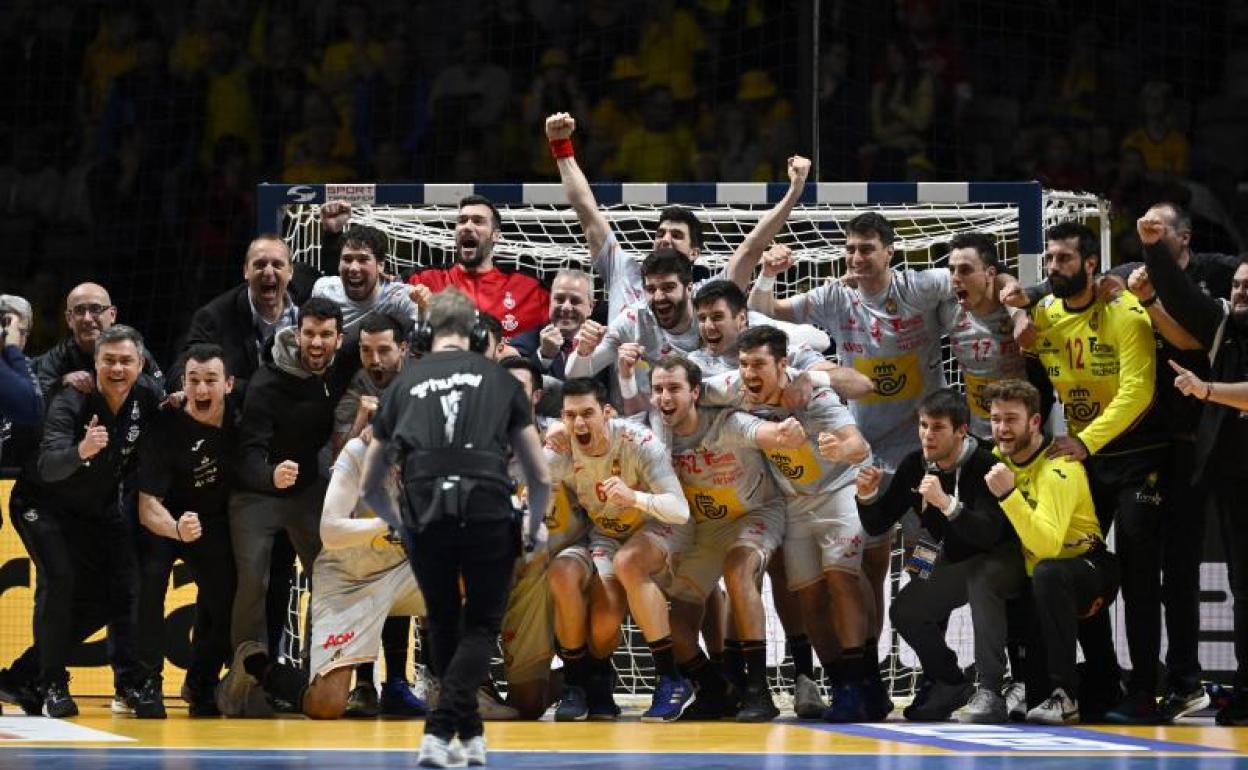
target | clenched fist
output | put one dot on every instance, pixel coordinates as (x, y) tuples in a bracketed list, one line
[(868, 481), (629, 354), (335, 215), (1000, 480), (285, 474), (798, 168), (776, 260), (82, 382), (189, 527), (618, 492), (1150, 229), (791, 433), (550, 341), (588, 337), (931, 491), (420, 294), (1140, 284), (832, 448), (560, 126)]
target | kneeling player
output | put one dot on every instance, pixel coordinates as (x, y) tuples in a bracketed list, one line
[(360, 577), (622, 475)]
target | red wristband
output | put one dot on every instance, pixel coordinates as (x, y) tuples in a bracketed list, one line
[(561, 148)]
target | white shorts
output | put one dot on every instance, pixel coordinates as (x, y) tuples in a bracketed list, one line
[(822, 533), (672, 539), (528, 631), (702, 564), (348, 613)]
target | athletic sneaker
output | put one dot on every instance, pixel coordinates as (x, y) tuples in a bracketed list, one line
[(398, 700), (940, 701), (757, 705), (716, 699), (1138, 708), (439, 752), (149, 700), (671, 697), (239, 694), (1177, 705), (57, 702), (491, 707), (1016, 701), (474, 751), (985, 707), (878, 704), (807, 702), (1058, 709), (848, 704), (573, 705), (600, 696), (20, 693), (362, 702), (122, 704)]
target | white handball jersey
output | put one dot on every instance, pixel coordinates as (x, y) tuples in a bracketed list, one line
[(620, 271), (803, 472), (369, 560), (986, 351), (720, 468)]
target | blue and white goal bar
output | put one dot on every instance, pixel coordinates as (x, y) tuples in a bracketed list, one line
[(1026, 197)]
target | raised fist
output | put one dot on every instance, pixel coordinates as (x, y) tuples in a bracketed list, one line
[(588, 337), (1139, 283), (777, 259), (335, 215), (420, 294), (931, 491), (1150, 229), (629, 354), (799, 168), (550, 341), (560, 126)]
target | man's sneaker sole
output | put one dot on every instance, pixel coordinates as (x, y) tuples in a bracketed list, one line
[(1187, 709)]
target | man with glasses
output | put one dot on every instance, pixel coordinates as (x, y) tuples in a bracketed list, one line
[(70, 362)]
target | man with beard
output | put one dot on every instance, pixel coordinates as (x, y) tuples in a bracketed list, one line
[(519, 301), (663, 325), (981, 329), (1100, 355), (71, 362), (678, 229), (244, 319), (738, 524), (621, 474), (1074, 578), (1221, 329), (358, 288), (287, 417), (967, 555), (76, 527), (185, 475)]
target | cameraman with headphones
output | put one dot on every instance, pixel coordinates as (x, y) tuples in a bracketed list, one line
[(450, 423)]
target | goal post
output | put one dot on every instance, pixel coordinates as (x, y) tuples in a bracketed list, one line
[(541, 234)]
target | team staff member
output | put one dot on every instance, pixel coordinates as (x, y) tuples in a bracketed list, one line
[(80, 535), (451, 422), (20, 400), (1074, 578), (967, 555), (185, 475)]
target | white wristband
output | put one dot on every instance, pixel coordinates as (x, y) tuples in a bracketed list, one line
[(765, 283), (628, 386)]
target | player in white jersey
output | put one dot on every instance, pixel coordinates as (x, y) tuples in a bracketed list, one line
[(621, 474), (361, 576), (739, 518), (981, 329), (679, 228), (824, 539)]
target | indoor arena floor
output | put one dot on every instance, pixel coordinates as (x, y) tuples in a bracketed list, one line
[(97, 739)]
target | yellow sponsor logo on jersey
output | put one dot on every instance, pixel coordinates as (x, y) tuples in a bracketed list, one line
[(713, 503), (800, 466), (559, 517), (1080, 406), (895, 379), (975, 393), (618, 524)]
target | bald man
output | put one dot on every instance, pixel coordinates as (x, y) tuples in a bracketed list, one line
[(70, 362)]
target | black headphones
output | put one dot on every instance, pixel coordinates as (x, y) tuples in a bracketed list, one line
[(421, 340)]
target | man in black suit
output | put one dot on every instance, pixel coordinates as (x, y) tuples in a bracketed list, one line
[(244, 319)]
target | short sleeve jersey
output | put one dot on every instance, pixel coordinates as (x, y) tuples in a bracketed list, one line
[(187, 464), (892, 337), (379, 556), (636, 455), (722, 473), (986, 351), (621, 274), (391, 298), (803, 472)]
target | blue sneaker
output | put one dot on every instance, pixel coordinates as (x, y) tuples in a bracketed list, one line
[(671, 698), (848, 705), (398, 700), (573, 705)]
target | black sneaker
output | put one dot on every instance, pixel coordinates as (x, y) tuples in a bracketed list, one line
[(1138, 708), (149, 699), (757, 705), (940, 701), (57, 702), (20, 693), (600, 695), (1177, 705), (202, 703)]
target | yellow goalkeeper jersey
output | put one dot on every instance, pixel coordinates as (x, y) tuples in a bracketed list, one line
[(1051, 508), (1102, 361)]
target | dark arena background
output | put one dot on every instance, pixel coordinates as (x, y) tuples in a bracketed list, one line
[(143, 144)]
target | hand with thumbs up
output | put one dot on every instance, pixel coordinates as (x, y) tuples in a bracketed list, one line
[(95, 439)]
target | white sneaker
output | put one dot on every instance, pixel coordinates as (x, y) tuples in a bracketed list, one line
[(474, 751), (807, 702), (1016, 701), (1058, 709), (120, 707), (437, 752)]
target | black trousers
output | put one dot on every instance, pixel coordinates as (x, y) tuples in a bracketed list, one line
[(1184, 510), (1232, 506), (86, 577), (463, 628), (211, 559), (1071, 597), (1128, 493)]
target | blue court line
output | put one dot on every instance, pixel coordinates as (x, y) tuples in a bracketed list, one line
[(337, 759), (1016, 738)]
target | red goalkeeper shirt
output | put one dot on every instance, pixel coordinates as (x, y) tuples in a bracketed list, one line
[(519, 301)]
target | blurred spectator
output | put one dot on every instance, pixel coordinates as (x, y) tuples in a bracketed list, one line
[(148, 98), (221, 213), (670, 40), (554, 90), (30, 184), (471, 89), (393, 105), (660, 149), (354, 57), (1060, 169), (902, 103), (1079, 88), (188, 58), (112, 53), (842, 125), (740, 157), (228, 108), (278, 83), (615, 113), (1163, 146), (322, 150), (606, 31)]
